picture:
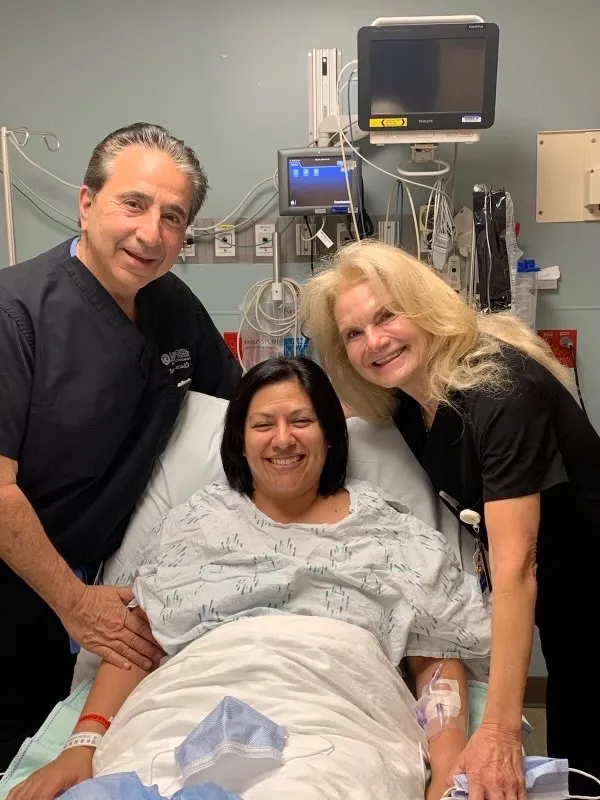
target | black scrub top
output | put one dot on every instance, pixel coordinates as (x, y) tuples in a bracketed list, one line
[(532, 438), (88, 399)]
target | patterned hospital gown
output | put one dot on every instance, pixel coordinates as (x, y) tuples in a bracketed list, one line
[(217, 558)]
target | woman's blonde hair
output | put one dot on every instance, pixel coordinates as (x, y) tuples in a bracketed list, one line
[(464, 345)]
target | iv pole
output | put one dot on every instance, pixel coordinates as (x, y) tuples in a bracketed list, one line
[(5, 135), (8, 210)]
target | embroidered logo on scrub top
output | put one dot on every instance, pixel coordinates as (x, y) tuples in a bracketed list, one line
[(176, 359)]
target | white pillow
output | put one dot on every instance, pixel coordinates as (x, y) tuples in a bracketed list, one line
[(378, 454), (192, 459)]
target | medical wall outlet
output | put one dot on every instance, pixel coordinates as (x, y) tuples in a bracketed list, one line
[(563, 344), (263, 240), (303, 232), (189, 244), (225, 241), (389, 231), (343, 237)]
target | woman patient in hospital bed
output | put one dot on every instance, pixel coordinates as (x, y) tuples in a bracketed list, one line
[(298, 593)]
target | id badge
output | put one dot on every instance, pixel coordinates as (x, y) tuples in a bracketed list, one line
[(480, 565)]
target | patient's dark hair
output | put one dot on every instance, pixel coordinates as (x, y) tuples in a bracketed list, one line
[(328, 410)]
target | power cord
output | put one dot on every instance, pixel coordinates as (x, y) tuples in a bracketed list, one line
[(273, 320), (567, 343)]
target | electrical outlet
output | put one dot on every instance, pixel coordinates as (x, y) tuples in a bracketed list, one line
[(189, 244), (454, 272), (343, 237), (303, 232), (563, 344), (388, 231), (263, 240), (225, 242)]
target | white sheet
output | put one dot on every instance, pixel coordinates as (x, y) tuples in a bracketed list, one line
[(328, 682)]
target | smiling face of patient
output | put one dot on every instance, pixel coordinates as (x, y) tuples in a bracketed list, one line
[(285, 449)]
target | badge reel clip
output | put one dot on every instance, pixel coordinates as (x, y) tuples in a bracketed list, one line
[(469, 517), (472, 519)]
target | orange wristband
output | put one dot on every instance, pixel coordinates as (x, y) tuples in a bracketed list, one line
[(96, 718)]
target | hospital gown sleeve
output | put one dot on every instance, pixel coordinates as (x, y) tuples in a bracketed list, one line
[(16, 380), (448, 617), (516, 441), (217, 372)]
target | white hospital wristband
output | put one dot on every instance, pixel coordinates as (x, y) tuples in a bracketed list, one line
[(83, 740)]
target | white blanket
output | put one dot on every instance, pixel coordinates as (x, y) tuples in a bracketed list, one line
[(352, 732)]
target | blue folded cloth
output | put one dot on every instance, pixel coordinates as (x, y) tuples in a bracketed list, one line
[(127, 786)]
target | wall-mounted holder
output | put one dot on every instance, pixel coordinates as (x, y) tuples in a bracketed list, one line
[(568, 176)]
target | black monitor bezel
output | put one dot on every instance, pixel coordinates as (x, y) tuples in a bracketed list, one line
[(427, 120)]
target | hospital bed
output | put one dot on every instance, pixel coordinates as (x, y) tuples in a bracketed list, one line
[(378, 454)]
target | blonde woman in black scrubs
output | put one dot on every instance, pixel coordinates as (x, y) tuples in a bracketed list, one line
[(488, 412)]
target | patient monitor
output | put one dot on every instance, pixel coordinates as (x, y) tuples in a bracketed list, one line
[(424, 80), (318, 181)]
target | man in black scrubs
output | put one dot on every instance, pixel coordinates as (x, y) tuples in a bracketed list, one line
[(98, 345)]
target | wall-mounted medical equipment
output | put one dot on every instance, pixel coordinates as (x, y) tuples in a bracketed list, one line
[(568, 176), (318, 181), (323, 69), (427, 82)]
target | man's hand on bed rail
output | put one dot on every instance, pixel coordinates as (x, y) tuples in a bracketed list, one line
[(101, 623)]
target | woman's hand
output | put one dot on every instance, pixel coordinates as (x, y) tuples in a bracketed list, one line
[(70, 768), (493, 764)]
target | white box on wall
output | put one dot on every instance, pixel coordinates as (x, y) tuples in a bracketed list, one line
[(568, 166)]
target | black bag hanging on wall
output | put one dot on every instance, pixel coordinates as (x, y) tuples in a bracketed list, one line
[(489, 215)]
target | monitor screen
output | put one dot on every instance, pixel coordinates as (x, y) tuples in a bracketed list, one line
[(318, 182), (428, 76)]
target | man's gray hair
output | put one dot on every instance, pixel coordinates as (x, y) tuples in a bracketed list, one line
[(153, 137)]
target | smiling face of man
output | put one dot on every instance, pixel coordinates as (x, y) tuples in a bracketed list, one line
[(133, 228)]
